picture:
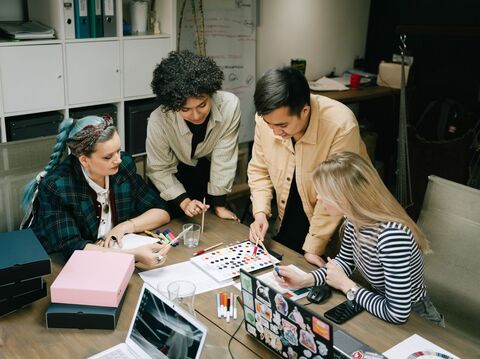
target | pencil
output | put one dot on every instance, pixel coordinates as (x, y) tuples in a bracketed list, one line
[(201, 251), (203, 214)]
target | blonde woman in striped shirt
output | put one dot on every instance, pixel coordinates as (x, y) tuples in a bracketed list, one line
[(379, 239)]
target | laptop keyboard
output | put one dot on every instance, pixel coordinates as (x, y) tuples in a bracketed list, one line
[(116, 354), (338, 355)]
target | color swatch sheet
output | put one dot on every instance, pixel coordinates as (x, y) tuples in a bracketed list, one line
[(225, 263), (417, 347)]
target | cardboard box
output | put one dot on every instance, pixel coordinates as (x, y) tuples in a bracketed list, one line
[(93, 278), (82, 316), (21, 287), (8, 305), (22, 257)]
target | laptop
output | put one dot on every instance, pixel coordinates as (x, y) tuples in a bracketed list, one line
[(292, 330), (159, 329)]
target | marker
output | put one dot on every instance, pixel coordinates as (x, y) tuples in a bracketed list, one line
[(218, 305), (235, 307), (154, 235), (228, 310), (164, 238), (201, 251)]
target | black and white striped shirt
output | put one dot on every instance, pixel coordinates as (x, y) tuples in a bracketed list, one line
[(391, 261)]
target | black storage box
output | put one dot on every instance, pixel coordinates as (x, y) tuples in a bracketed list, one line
[(11, 304), (136, 116), (20, 287), (31, 126), (22, 257), (75, 316), (99, 110)]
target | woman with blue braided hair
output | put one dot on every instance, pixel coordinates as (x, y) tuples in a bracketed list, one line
[(92, 198)]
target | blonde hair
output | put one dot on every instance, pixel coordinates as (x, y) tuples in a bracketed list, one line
[(352, 183)]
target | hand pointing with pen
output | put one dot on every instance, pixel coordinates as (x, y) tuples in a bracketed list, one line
[(259, 227)]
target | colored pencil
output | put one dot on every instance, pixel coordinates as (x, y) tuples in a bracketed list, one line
[(201, 251)]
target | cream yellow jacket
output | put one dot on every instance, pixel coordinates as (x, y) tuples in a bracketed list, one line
[(169, 141), (332, 128)]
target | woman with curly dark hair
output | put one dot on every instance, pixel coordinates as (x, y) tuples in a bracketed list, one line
[(192, 137)]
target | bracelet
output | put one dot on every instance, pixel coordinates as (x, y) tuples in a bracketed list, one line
[(134, 227)]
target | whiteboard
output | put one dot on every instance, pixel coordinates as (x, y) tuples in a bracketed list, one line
[(230, 37)]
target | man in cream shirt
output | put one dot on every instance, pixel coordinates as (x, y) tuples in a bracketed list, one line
[(296, 131)]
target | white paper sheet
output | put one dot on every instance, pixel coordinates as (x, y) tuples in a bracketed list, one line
[(160, 278), (413, 346), (132, 240), (269, 279), (327, 84)]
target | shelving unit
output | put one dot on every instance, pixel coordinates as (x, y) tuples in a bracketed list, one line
[(63, 74)]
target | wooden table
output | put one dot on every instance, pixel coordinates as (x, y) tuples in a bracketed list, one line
[(359, 95), (23, 333)]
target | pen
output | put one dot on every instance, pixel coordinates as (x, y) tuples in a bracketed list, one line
[(201, 251)]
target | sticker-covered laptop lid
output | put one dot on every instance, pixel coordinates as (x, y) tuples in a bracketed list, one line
[(285, 327)]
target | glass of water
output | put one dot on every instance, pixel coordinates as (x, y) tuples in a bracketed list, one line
[(192, 236)]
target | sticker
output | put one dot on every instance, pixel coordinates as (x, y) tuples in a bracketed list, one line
[(251, 329), (258, 325), (308, 341), (281, 304), (290, 332), (296, 317), (273, 341), (265, 311), (247, 299), (321, 328), (274, 328), (264, 322), (291, 353), (276, 318), (262, 293), (357, 354), (285, 355), (322, 349), (246, 282), (249, 316), (307, 353)]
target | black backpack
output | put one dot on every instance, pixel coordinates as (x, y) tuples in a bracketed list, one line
[(443, 120)]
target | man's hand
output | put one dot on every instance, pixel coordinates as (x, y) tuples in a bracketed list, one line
[(258, 228), (224, 213), (193, 207), (314, 259)]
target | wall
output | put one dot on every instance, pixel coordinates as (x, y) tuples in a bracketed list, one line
[(327, 33)]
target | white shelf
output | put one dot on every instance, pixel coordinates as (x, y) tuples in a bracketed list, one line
[(63, 74)]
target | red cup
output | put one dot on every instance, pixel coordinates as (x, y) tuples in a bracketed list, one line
[(355, 81)]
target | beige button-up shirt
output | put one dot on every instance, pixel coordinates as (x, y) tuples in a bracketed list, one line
[(169, 141), (332, 128)]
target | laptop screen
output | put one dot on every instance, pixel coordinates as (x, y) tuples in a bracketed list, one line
[(163, 331), (285, 327)]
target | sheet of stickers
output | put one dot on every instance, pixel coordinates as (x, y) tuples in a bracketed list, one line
[(288, 329), (225, 263)]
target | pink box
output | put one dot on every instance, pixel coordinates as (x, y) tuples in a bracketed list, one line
[(93, 278)]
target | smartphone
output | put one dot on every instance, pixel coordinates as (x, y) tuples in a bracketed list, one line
[(343, 312)]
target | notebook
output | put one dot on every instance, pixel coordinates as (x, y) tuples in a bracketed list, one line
[(159, 329), (289, 329)]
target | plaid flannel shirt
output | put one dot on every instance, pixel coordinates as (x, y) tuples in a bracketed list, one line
[(66, 219)]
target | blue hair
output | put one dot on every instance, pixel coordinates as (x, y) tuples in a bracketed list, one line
[(67, 130)]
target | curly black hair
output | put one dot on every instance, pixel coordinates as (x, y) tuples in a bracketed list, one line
[(182, 75)]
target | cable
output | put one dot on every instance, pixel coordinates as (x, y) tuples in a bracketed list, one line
[(232, 337)]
